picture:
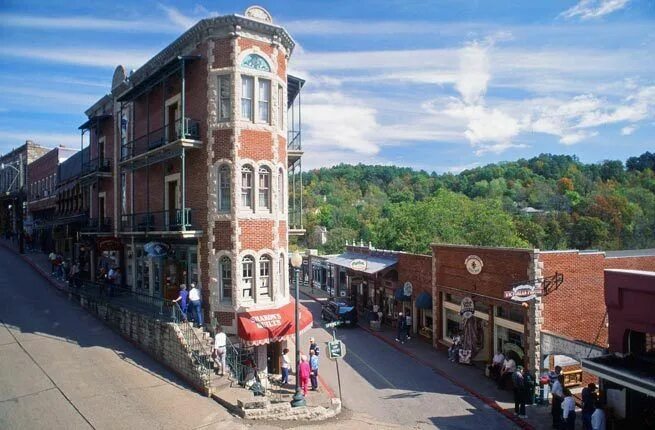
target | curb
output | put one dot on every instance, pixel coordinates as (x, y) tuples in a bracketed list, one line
[(486, 400)]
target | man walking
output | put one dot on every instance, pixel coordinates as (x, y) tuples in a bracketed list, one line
[(220, 345), (519, 392), (558, 397), (194, 298), (313, 365), (588, 401), (598, 417), (401, 328), (408, 325)]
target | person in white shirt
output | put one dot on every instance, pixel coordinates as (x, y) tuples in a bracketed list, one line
[(598, 417), (496, 365), (220, 344), (286, 365), (194, 298), (568, 410), (509, 367), (556, 405)]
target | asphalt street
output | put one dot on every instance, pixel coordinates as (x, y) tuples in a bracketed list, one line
[(383, 384)]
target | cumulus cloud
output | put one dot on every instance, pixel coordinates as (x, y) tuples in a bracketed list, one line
[(589, 9), (628, 130)]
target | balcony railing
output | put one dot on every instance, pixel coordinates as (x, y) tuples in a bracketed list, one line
[(96, 165), (97, 225), (161, 136), (293, 140), (157, 221)]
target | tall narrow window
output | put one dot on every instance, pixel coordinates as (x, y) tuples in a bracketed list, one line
[(224, 93), (226, 280), (280, 190), (224, 189), (264, 96), (247, 96), (265, 276), (247, 266), (280, 107), (264, 188), (283, 273), (246, 187)]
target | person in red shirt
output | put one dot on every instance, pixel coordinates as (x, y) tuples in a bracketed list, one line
[(303, 373)]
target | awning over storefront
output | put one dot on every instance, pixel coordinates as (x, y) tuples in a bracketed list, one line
[(399, 295), (424, 301), (630, 371), (373, 264), (272, 325)]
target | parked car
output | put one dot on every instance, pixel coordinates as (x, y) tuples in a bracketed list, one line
[(339, 311)]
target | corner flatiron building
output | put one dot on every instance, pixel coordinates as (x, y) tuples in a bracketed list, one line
[(209, 134)]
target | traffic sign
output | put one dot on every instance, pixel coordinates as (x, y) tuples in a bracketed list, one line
[(336, 349), (333, 324)]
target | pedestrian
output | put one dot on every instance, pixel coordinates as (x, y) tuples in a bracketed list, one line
[(118, 277), (408, 325), (553, 375), (196, 304), (509, 367), (528, 387), (182, 299), (598, 417), (59, 261), (52, 257), (556, 404), (313, 346), (589, 399), (401, 328), (496, 365), (304, 371), (568, 410), (519, 392), (313, 365), (285, 366), (453, 349), (220, 345), (109, 281)]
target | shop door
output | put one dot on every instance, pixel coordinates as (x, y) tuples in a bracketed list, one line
[(156, 277), (172, 205), (172, 279), (173, 125), (273, 354)]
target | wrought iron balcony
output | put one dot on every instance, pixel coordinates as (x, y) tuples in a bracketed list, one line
[(97, 165), (294, 140), (97, 225), (161, 221), (162, 138)]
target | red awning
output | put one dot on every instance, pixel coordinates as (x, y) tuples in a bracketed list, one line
[(272, 325)]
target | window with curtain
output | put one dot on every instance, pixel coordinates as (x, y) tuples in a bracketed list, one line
[(247, 268), (224, 188), (246, 187), (247, 96), (264, 188), (264, 101), (265, 276), (224, 99), (280, 190), (226, 280)]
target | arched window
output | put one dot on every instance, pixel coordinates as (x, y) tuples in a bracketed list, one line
[(224, 189), (225, 270), (257, 62), (265, 276), (264, 187), (282, 274), (280, 190), (246, 187), (247, 269)]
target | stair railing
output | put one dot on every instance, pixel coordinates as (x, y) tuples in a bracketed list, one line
[(197, 348)]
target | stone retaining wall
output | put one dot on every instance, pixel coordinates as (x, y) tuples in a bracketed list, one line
[(265, 410)]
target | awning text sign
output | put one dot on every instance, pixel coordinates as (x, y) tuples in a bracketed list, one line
[(523, 293), (267, 321)]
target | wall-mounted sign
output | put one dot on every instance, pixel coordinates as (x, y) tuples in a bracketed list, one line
[(407, 288), (109, 244), (523, 293), (358, 264), (156, 249), (467, 308), (473, 264)]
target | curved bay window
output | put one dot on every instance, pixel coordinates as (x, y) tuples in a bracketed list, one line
[(226, 280), (224, 194), (247, 269), (265, 276), (264, 188), (246, 187)]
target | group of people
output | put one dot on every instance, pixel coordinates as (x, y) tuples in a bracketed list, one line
[(307, 369), (193, 298), (404, 327), (563, 405)]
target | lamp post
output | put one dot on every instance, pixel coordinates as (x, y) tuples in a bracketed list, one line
[(18, 210), (298, 398)]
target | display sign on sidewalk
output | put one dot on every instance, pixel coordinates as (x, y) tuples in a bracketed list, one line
[(336, 349)]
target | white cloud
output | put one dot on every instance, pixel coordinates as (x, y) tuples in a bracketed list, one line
[(628, 130), (588, 9), (13, 139), (43, 100), (81, 56), (177, 17), (473, 75), (85, 23), (577, 137)]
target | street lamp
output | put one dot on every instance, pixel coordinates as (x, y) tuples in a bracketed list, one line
[(298, 398)]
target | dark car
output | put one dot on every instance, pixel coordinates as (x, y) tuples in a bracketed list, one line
[(339, 311)]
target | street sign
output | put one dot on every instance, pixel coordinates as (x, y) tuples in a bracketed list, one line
[(333, 324), (336, 349)]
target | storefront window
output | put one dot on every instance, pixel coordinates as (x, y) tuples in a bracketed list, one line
[(505, 335), (426, 317), (452, 323), (514, 313)]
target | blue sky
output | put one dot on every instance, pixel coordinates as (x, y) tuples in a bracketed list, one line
[(435, 85)]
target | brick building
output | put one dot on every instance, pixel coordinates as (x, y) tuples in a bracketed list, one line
[(42, 197), (72, 208)]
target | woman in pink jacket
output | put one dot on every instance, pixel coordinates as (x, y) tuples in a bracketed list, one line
[(303, 372)]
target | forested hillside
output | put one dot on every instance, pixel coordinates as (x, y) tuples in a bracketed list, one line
[(549, 202)]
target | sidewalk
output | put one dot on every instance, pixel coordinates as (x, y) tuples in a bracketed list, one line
[(469, 378)]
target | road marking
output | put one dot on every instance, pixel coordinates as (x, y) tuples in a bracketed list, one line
[(351, 352)]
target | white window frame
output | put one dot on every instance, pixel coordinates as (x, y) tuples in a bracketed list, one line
[(264, 279), (247, 187), (250, 100), (280, 107), (280, 190), (224, 110), (245, 286), (223, 202), (264, 191), (264, 104), (222, 262)]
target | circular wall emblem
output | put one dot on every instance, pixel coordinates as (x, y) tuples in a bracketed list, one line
[(473, 264), (259, 13), (467, 308), (407, 288)]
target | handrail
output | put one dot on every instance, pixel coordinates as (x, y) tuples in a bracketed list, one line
[(170, 220), (236, 359), (195, 345), (161, 136), (294, 140)]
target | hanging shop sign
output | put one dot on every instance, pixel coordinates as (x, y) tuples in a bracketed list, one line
[(407, 288), (358, 264), (109, 244), (523, 293), (467, 308), (156, 249), (473, 264)]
